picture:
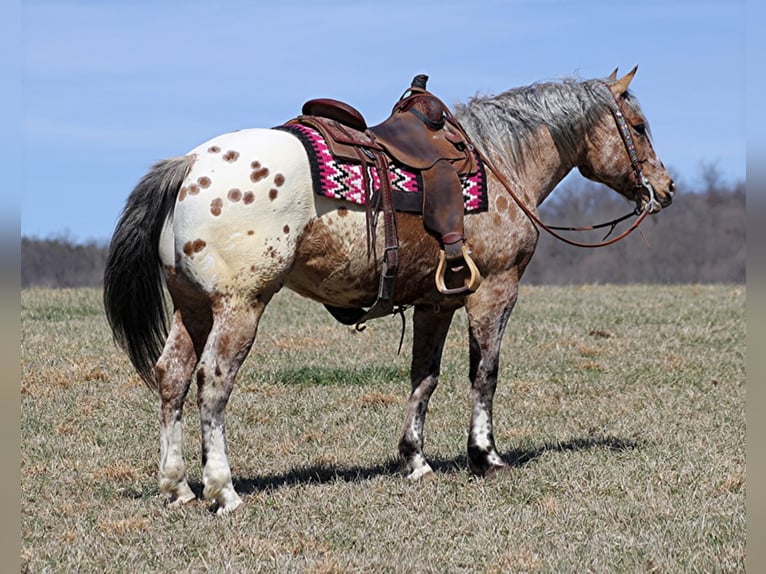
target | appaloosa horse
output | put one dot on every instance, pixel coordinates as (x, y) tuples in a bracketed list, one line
[(229, 224)]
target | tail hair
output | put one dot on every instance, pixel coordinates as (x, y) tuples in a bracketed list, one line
[(134, 296)]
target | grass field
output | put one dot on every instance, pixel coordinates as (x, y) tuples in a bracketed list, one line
[(622, 410)]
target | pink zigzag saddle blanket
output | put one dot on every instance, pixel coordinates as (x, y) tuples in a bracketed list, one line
[(338, 179)]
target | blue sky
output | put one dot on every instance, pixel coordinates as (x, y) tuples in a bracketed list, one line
[(108, 88)]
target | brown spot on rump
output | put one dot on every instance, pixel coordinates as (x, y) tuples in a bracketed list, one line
[(193, 189), (250, 232), (213, 149), (259, 174), (248, 198), (215, 206), (192, 247), (182, 194), (273, 194), (234, 195), (343, 211), (231, 156), (204, 182), (279, 180), (286, 229), (502, 203)]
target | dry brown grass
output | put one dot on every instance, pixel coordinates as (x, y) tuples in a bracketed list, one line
[(621, 409)]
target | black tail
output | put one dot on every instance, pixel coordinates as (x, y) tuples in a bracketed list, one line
[(134, 298)]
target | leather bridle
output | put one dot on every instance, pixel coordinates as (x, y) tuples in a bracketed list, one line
[(641, 183), (627, 139)]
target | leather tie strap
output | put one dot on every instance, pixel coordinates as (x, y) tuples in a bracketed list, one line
[(536, 220), (391, 253)]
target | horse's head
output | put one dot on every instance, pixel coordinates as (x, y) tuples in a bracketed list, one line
[(619, 153)]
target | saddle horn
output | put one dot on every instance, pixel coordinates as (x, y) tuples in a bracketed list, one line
[(419, 81)]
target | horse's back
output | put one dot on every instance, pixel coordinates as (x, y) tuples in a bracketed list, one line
[(239, 211)]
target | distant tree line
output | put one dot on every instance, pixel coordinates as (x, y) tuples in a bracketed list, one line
[(699, 239), (60, 262)]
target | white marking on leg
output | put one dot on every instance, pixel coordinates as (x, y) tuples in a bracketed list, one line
[(481, 430), (172, 470), (217, 474)]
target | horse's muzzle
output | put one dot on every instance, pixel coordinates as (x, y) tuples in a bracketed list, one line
[(655, 200), (666, 198)]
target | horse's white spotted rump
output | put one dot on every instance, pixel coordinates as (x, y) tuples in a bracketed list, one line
[(239, 211), (236, 219)]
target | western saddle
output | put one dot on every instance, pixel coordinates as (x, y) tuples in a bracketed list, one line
[(423, 135)]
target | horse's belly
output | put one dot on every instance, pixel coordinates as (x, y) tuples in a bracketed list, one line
[(333, 264)]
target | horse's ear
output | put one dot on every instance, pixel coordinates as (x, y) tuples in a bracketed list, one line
[(620, 86), (613, 76)]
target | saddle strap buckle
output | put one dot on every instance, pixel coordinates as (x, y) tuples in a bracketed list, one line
[(469, 286)]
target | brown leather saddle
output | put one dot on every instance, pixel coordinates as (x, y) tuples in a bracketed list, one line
[(423, 135)]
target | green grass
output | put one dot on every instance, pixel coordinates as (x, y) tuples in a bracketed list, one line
[(620, 408)]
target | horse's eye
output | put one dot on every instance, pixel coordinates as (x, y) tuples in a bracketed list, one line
[(640, 129)]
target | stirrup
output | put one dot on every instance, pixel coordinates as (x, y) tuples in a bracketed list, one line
[(470, 285)]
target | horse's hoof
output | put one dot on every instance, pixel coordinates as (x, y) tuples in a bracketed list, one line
[(229, 506), (181, 500), (420, 473), (180, 495)]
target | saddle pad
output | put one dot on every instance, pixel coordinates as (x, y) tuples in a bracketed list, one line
[(341, 179)]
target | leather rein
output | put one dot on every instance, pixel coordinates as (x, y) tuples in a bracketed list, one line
[(641, 182)]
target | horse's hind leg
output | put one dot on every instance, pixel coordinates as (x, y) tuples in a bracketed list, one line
[(174, 371), (235, 321), (429, 333)]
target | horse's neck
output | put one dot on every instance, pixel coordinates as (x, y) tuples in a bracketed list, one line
[(542, 170)]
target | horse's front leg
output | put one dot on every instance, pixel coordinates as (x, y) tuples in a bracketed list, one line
[(234, 327), (488, 312), (429, 333)]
